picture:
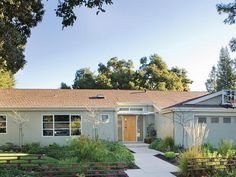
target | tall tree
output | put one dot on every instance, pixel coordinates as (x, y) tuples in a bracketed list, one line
[(226, 78), (6, 79), (229, 8), (64, 86), (17, 18), (84, 79), (153, 74), (211, 84)]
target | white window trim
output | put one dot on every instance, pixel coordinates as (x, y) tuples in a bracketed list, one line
[(53, 129), (6, 124), (104, 115)]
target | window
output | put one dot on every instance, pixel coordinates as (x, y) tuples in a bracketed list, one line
[(227, 120), (61, 125), (104, 118), (75, 125), (48, 125), (136, 109), (215, 120), (201, 120), (3, 124), (124, 109)]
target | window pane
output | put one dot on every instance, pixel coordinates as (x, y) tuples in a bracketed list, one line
[(3, 130), (104, 118), (136, 109), (48, 126), (47, 132), (62, 125), (201, 119), (215, 120), (63, 118), (48, 118), (61, 132), (124, 109), (75, 125), (227, 119), (2, 118)]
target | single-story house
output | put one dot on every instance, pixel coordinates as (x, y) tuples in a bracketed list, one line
[(53, 115)]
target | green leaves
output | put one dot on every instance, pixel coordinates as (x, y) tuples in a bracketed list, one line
[(153, 74)]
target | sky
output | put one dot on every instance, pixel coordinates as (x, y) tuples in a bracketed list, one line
[(185, 33)]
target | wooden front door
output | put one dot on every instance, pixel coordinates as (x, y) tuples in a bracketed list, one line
[(130, 128)]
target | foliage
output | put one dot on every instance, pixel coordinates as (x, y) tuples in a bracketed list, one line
[(184, 157), (6, 79), (163, 145), (102, 151), (225, 148), (224, 76), (223, 173), (211, 84), (229, 8), (32, 148), (8, 147), (153, 74), (64, 86), (17, 18), (4, 172), (170, 154)]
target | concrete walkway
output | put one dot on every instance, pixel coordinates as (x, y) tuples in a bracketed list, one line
[(150, 166)]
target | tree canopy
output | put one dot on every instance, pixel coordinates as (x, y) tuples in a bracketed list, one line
[(153, 74), (6, 79), (230, 10), (224, 76), (17, 18)]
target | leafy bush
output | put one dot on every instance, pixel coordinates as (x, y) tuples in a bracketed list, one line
[(14, 172), (170, 155), (8, 147), (32, 148), (225, 147), (56, 151), (194, 152), (163, 145), (89, 150)]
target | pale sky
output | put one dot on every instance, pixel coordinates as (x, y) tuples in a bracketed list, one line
[(185, 33)]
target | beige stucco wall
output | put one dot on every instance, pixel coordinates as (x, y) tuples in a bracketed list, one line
[(33, 128), (164, 125)]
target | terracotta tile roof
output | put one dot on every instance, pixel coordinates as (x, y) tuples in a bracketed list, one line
[(56, 98)]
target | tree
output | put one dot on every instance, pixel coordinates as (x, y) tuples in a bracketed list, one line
[(84, 79), (224, 76), (211, 84), (156, 75), (20, 120), (153, 74), (229, 9), (6, 79), (64, 86), (17, 18)]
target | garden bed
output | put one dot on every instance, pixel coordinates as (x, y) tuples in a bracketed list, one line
[(172, 161)]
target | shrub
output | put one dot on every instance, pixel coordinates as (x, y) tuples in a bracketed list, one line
[(155, 143), (10, 147), (14, 172), (32, 148), (194, 152), (224, 147), (170, 155), (56, 151), (163, 145)]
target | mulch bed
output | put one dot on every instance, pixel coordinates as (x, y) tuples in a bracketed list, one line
[(172, 161), (133, 167), (177, 174)]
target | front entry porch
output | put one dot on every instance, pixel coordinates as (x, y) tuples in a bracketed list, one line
[(132, 128)]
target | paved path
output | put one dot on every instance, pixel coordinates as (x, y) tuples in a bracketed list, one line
[(150, 166)]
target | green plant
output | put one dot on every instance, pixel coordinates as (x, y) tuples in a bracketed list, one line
[(194, 152), (224, 147), (4, 172), (8, 147), (32, 148), (56, 151), (155, 143), (170, 154)]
